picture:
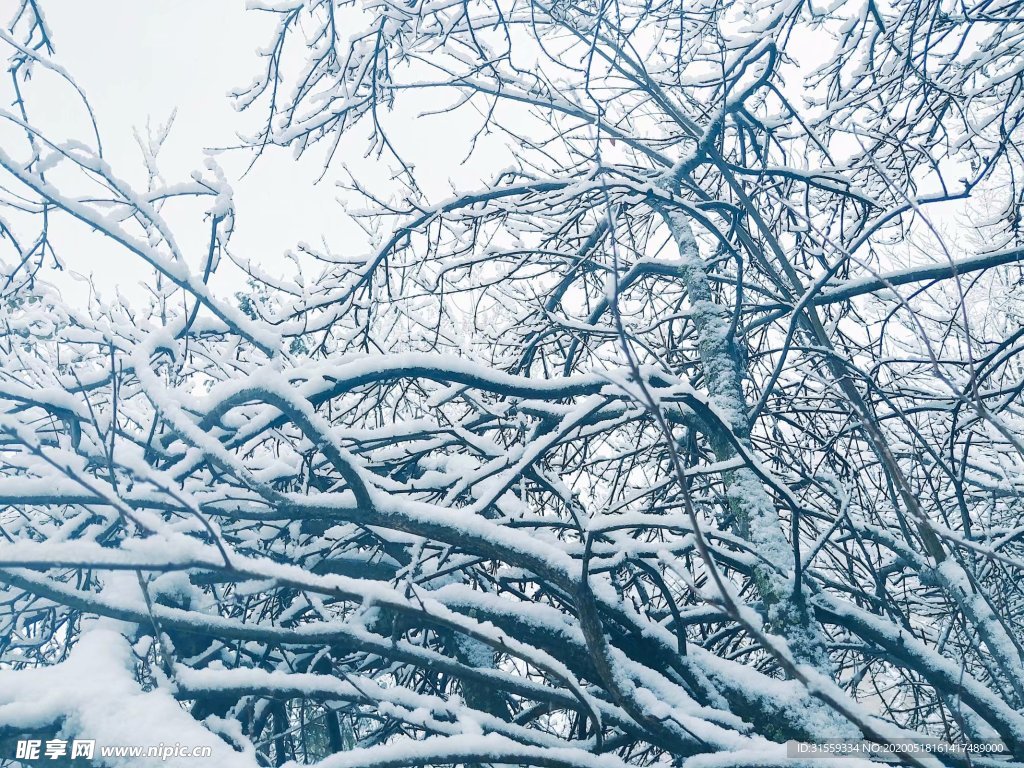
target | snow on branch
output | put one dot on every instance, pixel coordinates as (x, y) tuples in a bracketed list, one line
[(679, 418)]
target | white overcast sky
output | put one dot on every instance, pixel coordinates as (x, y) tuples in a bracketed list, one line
[(140, 60)]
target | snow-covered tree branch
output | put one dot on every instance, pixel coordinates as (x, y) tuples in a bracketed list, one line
[(691, 426)]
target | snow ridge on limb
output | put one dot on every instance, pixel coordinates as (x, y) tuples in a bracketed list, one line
[(756, 517)]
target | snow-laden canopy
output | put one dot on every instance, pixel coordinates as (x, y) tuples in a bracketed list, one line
[(694, 427)]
